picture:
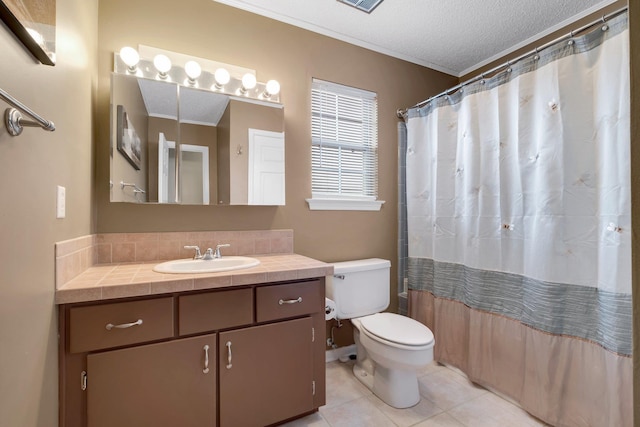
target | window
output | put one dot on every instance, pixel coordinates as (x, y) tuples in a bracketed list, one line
[(344, 148)]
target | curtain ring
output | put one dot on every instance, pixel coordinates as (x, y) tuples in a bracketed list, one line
[(536, 56), (605, 27), (570, 38), (509, 69)]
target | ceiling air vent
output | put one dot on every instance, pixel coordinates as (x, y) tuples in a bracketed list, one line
[(363, 5)]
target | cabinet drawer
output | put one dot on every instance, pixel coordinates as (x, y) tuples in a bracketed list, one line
[(111, 325), (214, 310), (282, 301)]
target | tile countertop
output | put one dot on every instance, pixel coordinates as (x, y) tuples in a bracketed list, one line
[(110, 281)]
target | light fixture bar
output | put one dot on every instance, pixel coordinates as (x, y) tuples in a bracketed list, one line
[(180, 60), (194, 72)]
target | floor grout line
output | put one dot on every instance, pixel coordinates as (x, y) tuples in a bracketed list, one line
[(357, 405)]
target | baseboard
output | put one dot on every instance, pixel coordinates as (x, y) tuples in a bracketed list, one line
[(337, 353)]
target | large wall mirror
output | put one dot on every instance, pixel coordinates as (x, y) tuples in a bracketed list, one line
[(187, 144)]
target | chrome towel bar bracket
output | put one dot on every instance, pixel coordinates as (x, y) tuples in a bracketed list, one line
[(13, 116)]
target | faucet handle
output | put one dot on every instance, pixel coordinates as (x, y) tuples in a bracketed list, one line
[(217, 252), (198, 255)]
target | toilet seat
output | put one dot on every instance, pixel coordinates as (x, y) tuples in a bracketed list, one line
[(397, 329)]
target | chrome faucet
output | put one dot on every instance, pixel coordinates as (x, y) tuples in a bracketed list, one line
[(217, 253), (208, 255), (198, 255)]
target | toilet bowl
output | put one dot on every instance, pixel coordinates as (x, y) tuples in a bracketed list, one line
[(388, 364), (390, 348)]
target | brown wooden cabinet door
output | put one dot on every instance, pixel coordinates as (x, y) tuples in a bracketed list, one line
[(154, 385), (266, 373)]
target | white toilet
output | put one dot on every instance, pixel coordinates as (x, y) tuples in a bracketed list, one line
[(390, 347)]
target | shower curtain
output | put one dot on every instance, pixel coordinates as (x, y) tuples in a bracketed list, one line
[(518, 218)]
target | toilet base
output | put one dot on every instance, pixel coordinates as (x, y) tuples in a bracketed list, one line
[(396, 388)]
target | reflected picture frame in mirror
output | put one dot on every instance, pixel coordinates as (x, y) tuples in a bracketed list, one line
[(128, 141)]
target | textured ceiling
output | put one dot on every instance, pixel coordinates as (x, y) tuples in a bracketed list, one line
[(452, 36)]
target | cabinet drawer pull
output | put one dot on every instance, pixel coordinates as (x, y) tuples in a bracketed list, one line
[(290, 301), (110, 326), (206, 360), (229, 365)]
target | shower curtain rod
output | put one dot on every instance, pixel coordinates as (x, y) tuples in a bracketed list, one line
[(401, 113)]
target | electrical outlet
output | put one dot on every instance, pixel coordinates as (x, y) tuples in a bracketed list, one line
[(61, 202)]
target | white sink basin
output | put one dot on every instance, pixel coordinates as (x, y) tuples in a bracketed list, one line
[(189, 266)]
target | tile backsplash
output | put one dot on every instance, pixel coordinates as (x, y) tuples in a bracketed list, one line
[(76, 255)]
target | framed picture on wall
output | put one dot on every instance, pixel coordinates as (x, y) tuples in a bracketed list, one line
[(34, 25), (128, 140)]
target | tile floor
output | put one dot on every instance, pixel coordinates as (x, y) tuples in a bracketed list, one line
[(449, 399)]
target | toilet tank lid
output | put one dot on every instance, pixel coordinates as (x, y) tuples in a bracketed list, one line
[(360, 265)]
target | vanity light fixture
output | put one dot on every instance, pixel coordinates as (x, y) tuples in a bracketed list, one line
[(157, 64), (162, 64), (222, 77), (272, 88), (193, 70), (248, 82), (131, 58)]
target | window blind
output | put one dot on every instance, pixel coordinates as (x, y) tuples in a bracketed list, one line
[(344, 135)]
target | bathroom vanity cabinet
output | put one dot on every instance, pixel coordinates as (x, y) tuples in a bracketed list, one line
[(238, 356)]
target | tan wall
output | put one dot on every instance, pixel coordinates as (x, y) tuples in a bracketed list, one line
[(31, 166), (293, 56)]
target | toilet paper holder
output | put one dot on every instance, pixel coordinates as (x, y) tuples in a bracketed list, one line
[(329, 309)]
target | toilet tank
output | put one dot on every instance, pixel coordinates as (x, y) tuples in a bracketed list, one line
[(360, 287)]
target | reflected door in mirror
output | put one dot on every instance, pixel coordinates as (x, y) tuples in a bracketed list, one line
[(266, 167)]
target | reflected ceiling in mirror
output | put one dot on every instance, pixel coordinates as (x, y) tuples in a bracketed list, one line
[(196, 106)]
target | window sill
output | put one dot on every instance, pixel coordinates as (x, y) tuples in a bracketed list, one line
[(326, 204)]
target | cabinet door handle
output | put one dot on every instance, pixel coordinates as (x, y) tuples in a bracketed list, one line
[(229, 356), (290, 301), (206, 360), (110, 326)]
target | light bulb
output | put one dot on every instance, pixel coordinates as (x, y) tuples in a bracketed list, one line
[(130, 57), (162, 64), (248, 82), (272, 88), (193, 70), (222, 77)]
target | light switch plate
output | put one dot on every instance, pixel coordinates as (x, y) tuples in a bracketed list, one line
[(60, 202)]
